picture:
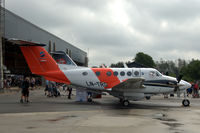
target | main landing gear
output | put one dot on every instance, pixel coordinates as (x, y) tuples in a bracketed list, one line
[(185, 101), (125, 103)]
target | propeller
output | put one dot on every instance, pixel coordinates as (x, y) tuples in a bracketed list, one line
[(176, 88), (179, 78)]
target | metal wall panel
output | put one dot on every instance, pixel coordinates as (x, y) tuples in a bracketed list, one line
[(17, 27)]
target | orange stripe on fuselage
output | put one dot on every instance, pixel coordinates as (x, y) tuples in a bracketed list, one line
[(111, 81)]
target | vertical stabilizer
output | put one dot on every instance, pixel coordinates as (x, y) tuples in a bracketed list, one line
[(40, 61)]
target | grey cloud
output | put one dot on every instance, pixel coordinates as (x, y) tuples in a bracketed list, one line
[(171, 9), (88, 24)]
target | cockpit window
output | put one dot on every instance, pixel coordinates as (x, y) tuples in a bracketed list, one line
[(152, 73), (158, 73), (155, 73)]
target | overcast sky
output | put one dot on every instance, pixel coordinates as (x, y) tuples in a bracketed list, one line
[(115, 30)]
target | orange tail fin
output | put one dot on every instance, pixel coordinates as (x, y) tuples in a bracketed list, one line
[(40, 62)]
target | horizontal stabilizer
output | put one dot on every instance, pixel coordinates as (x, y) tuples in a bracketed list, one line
[(25, 43)]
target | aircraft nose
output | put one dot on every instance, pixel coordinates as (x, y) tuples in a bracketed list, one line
[(185, 85), (188, 85)]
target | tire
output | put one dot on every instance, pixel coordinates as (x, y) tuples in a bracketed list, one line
[(186, 103), (89, 99), (120, 100), (126, 103), (148, 97)]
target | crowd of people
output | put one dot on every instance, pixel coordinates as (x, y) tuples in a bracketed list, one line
[(17, 80), (194, 90), (22, 82), (51, 89)]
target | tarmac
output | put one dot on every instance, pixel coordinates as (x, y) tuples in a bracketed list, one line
[(106, 115)]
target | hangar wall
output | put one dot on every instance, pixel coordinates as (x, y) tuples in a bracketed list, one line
[(17, 27)]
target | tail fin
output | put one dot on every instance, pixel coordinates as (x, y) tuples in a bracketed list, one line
[(40, 62)]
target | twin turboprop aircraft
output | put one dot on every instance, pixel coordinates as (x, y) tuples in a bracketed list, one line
[(124, 83)]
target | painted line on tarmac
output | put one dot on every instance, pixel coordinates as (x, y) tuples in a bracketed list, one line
[(46, 113)]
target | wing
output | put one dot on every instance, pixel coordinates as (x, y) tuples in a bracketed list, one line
[(129, 84)]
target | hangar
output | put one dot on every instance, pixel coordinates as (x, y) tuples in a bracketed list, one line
[(14, 26)]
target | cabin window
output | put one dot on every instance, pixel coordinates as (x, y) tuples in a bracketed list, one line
[(84, 73), (108, 73), (115, 73), (142, 73), (98, 73), (129, 73), (122, 73), (136, 73)]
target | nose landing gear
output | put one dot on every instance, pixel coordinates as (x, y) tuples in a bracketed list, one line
[(185, 101)]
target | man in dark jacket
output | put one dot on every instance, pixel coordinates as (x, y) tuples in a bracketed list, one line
[(25, 90), (70, 92)]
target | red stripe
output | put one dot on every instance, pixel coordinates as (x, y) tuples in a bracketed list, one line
[(111, 81)]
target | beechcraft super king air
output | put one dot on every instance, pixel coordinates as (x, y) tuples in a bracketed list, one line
[(124, 83)]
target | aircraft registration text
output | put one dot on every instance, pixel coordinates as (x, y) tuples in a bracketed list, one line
[(95, 84)]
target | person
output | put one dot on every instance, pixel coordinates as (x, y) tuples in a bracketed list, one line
[(25, 91), (5, 83), (46, 87), (50, 89), (56, 91), (89, 98), (32, 83), (189, 91), (196, 90), (70, 92), (8, 82)]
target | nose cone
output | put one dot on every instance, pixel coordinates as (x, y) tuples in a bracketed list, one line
[(184, 85)]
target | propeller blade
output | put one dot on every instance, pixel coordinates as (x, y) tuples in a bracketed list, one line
[(179, 78), (176, 88)]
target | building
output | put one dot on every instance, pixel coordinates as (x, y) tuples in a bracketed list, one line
[(14, 26), (17, 27)]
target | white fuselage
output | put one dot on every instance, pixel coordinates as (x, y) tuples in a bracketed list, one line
[(104, 79)]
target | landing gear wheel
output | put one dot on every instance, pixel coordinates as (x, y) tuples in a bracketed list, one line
[(120, 100), (186, 103), (148, 97), (126, 103), (89, 99)]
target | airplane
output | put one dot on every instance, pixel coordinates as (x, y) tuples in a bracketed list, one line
[(124, 83)]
